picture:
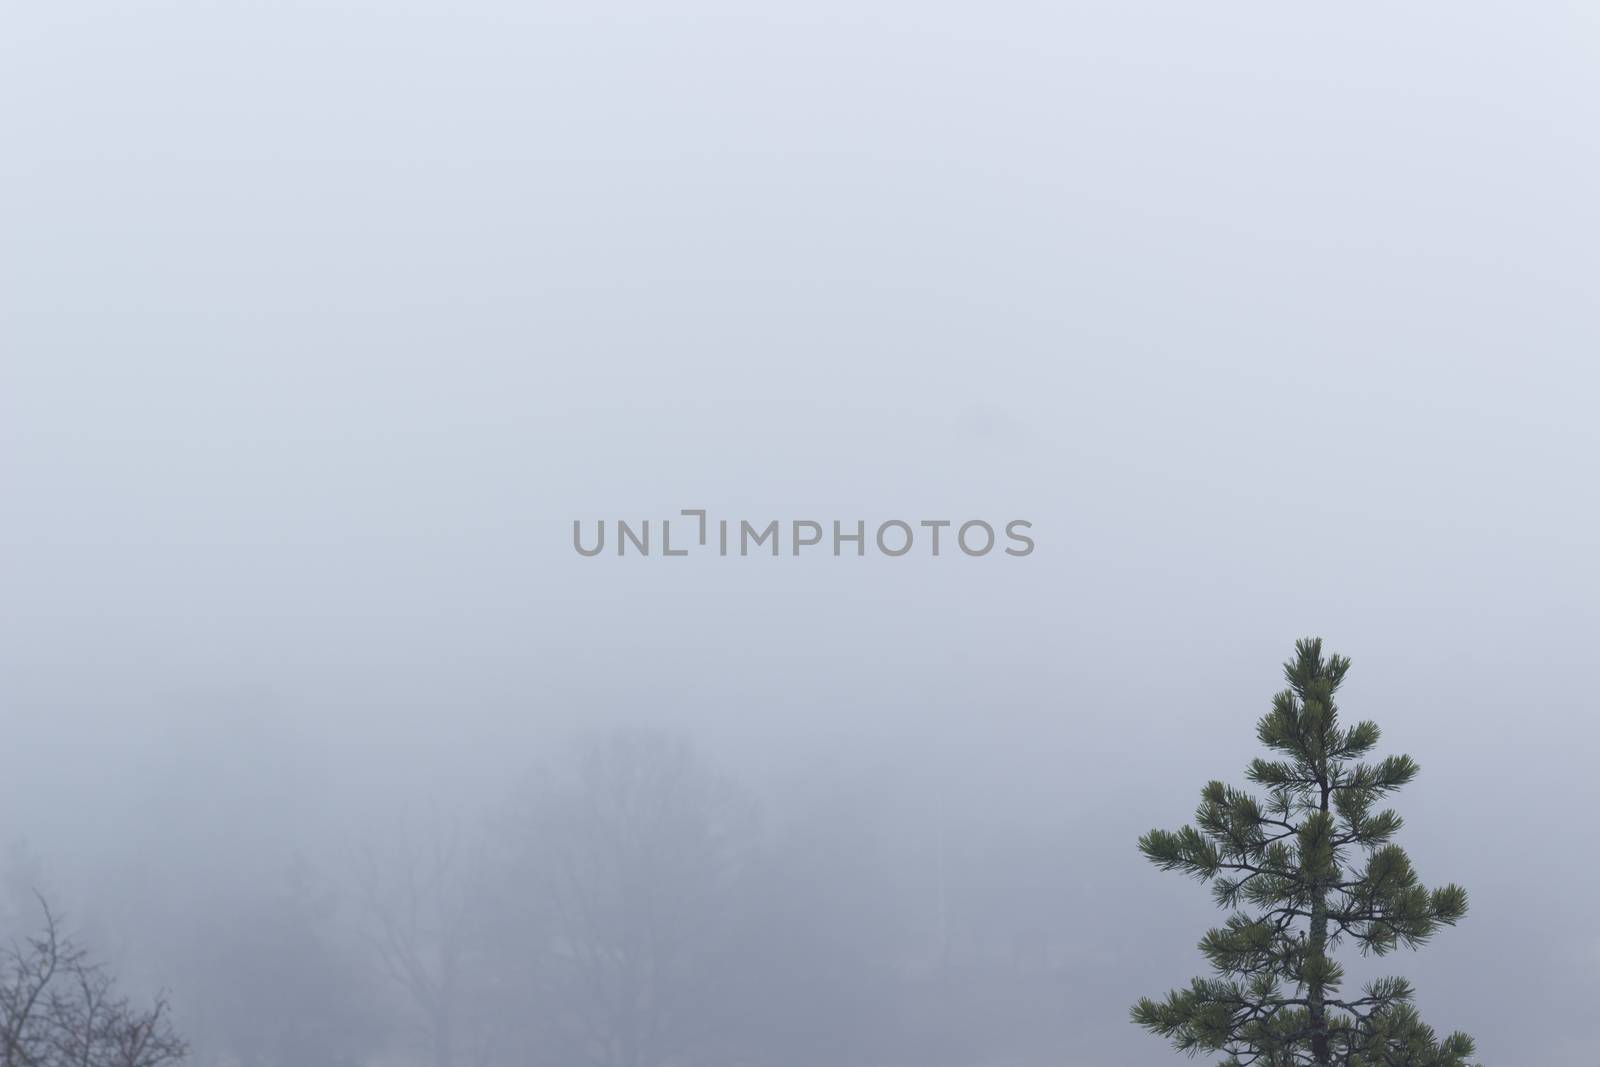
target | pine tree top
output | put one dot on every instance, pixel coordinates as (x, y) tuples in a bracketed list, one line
[(1303, 870)]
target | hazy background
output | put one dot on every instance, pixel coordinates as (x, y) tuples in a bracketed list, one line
[(321, 322)]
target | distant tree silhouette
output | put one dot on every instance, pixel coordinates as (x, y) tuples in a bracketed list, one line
[(280, 946), (419, 899), (636, 867), (1309, 868)]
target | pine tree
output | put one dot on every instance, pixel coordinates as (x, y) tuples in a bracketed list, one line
[(1310, 867)]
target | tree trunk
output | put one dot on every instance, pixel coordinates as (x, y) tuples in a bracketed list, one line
[(1320, 1053)]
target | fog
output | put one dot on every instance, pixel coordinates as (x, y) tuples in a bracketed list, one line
[(322, 323)]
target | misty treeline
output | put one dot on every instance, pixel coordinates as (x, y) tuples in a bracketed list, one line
[(626, 905)]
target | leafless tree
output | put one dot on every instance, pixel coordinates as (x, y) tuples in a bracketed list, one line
[(418, 898), (635, 863), (58, 1008)]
